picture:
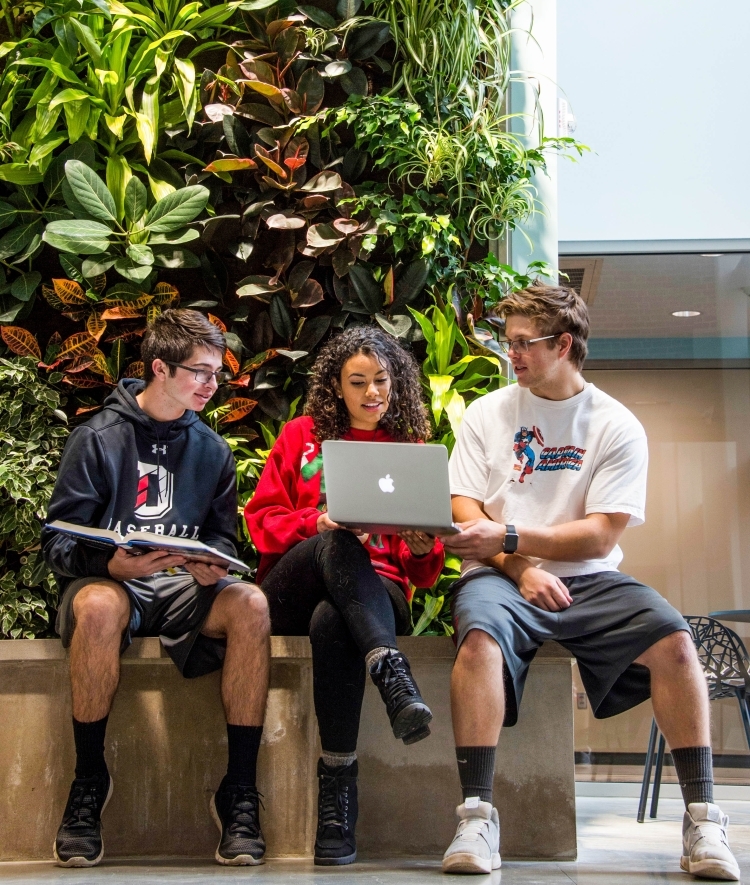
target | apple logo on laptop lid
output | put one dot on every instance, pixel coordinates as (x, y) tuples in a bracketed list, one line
[(386, 483)]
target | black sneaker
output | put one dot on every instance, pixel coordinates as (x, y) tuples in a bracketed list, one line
[(407, 711), (235, 809), (337, 815), (79, 839)]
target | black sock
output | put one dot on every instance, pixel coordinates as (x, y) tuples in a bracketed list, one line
[(695, 772), (89, 741), (244, 742), (476, 768)]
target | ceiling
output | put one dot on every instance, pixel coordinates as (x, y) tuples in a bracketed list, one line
[(636, 294)]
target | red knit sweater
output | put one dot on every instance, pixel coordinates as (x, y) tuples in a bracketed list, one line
[(287, 503)]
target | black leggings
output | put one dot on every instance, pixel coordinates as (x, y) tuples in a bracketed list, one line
[(326, 587)]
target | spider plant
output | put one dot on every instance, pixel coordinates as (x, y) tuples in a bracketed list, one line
[(454, 49)]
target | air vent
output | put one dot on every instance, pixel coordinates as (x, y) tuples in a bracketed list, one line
[(582, 274)]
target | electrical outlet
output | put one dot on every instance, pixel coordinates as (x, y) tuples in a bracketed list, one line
[(581, 700)]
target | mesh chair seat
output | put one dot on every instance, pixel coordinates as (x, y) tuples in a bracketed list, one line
[(726, 666)]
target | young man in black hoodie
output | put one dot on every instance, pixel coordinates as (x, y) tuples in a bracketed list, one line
[(147, 463)]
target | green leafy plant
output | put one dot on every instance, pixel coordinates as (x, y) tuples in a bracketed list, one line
[(453, 375), (124, 233), (32, 434), (294, 168), (108, 71), (430, 608)]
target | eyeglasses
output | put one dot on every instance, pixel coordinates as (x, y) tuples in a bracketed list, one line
[(521, 345), (203, 376)]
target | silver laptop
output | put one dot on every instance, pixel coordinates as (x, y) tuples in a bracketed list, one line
[(385, 488)]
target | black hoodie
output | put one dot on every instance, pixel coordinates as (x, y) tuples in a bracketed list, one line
[(123, 470)]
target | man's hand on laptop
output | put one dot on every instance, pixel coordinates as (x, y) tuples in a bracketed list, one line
[(123, 566), (478, 539)]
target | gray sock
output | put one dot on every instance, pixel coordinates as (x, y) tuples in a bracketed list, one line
[(372, 657), (695, 772), (336, 760)]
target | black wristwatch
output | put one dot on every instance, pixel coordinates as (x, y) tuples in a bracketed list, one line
[(510, 541)]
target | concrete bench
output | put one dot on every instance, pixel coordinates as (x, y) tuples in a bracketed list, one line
[(166, 748)]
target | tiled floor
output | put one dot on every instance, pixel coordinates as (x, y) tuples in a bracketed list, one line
[(613, 849)]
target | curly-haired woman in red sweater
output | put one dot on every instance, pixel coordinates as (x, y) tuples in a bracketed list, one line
[(350, 593)]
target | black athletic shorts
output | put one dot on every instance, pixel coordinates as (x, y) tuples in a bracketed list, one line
[(613, 619), (172, 607)]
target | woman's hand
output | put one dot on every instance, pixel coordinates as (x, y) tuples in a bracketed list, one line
[(419, 543), (325, 524)]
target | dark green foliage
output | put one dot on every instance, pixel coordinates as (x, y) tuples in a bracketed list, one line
[(32, 434), (290, 168)]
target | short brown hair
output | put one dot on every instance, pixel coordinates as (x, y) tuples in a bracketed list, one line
[(173, 336), (555, 309)]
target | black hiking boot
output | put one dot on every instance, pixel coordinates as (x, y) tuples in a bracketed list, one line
[(235, 809), (335, 843), (407, 711), (79, 839)]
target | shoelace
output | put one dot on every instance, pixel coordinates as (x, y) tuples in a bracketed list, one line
[(83, 807), (395, 678), (243, 812), (472, 827), (333, 804)]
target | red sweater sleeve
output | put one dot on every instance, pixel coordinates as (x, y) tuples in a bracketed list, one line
[(274, 518), (422, 571)]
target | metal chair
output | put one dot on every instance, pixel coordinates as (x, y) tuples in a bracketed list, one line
[(726, 666)]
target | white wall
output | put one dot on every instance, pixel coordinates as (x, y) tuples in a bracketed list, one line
[(660, 91)]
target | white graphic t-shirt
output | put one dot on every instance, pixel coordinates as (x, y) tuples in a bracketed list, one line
[(539, 462)]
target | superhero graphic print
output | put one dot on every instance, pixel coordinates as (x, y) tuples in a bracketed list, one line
[(548, 458), (522, 449)]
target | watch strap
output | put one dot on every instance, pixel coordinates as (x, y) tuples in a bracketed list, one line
[(510, 541)]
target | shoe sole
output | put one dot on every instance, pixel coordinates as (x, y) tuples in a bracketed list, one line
[(710, 869), (419, 735), (410, 723), (466, 862), (335, 861), (242, 860), (84, 861)]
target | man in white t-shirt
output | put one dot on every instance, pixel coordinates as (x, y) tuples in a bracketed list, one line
[(546, 475)]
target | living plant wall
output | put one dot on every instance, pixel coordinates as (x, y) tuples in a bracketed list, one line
[(287, 169)]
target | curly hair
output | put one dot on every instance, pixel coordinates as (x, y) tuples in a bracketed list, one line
[(406, 419)]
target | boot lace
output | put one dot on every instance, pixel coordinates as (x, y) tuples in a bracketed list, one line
[(396, 679), (333, 802)]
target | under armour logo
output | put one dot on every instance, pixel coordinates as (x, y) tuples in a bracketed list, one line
[(162, 449)]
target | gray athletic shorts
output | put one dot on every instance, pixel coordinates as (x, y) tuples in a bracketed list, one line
[(172, 607), (613, 619)]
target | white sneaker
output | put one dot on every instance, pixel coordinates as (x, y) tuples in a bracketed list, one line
[(705, 849), (476, 846)]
